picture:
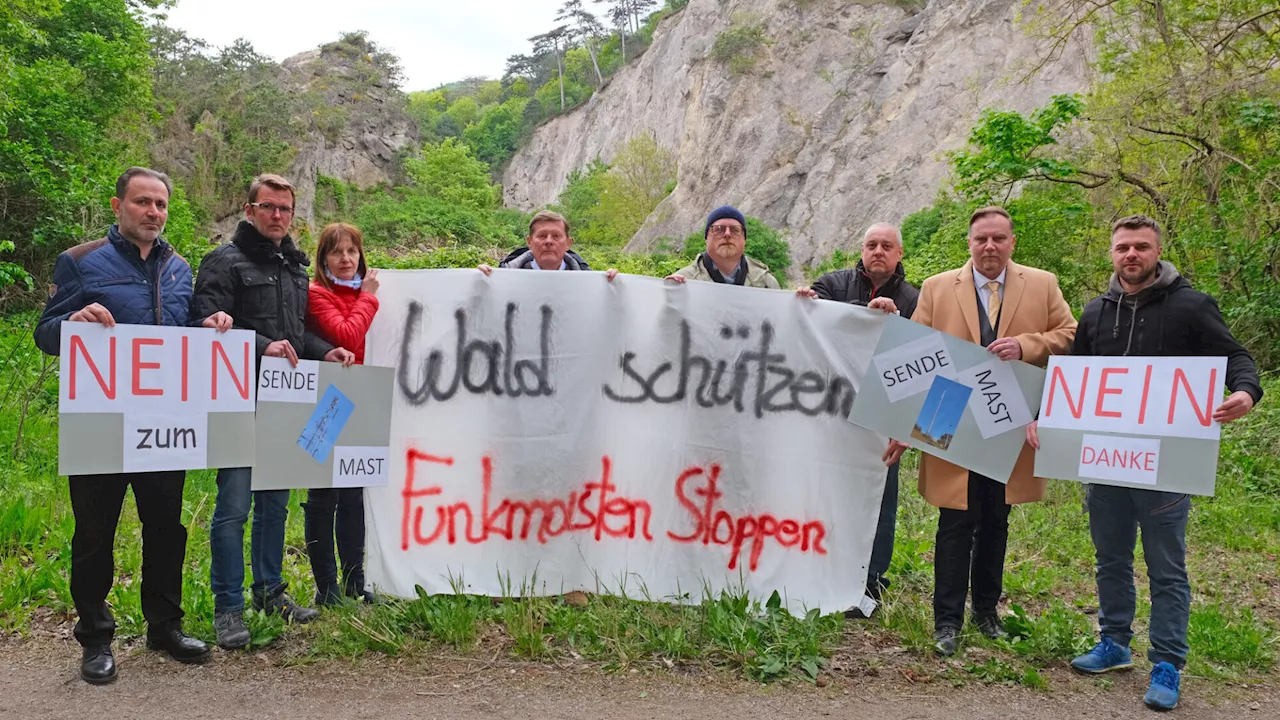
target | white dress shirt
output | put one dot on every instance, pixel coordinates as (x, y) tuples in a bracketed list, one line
[(984, 293), (564, 264)]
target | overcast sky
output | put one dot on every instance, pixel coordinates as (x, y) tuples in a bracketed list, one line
[(437, 41)]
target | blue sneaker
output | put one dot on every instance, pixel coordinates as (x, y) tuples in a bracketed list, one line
[(1104, 657), (1163, 693)]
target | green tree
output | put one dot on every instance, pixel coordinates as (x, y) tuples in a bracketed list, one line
[(74, 91), (1183, 125), (641, 175), (494, 137), (448, 171), (578, 201), (463, 111)]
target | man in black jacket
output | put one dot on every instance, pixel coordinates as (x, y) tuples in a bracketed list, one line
[(260, 279), (1150, 310), (877, 281)]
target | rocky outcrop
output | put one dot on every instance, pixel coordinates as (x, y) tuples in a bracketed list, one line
[(357, 127), (840, 118)]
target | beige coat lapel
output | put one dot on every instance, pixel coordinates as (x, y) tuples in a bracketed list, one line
[(1014, 286), (967, 298)]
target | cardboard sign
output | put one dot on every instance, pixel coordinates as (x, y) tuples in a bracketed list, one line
[(148, 368), (1101, 419), (321, 425), (910, 369), (140, 398), (948, 398)]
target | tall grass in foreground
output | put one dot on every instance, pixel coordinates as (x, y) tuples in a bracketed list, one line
[(1051, 605)]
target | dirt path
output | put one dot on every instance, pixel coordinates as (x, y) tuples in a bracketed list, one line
[(38, 680)]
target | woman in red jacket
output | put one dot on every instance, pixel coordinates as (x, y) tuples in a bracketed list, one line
[(340, 307)]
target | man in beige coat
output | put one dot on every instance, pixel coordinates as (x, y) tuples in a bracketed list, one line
[(1017, 313)]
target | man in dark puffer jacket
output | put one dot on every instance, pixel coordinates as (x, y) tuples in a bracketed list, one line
[(1150, 310), (260, 277), (131, 276), (878, 280), (546, 248)]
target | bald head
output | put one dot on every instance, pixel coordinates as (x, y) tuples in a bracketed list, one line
[(881, 252)]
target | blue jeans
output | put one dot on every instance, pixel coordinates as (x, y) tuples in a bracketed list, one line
[(226, 540), (886, 526), (1115, 515)]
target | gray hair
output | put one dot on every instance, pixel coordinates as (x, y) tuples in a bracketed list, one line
[(882, 226), (122, 182)]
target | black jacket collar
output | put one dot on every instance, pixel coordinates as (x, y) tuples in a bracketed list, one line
[(890, 286), (258, 248)]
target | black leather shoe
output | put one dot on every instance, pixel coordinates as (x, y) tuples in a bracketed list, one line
[(179, 646), (98, 665), (990, 626), (945, 641)]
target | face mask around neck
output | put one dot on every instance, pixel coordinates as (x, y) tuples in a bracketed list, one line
[(354, 283)]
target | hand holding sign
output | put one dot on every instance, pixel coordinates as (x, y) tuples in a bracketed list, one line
[(885, 304), (340, 355), (93, 313), (1006, 348), (282, 349), (1237, 405), (893, 453), (219, 321)]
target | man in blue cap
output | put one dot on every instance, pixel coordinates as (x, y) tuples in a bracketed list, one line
[(724, 261)]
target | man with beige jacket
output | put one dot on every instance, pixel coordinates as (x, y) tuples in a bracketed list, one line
[(1017, 313)]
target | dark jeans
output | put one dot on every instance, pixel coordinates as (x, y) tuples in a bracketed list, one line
[(969, 552), (226, 540), (95, 502), (1115, 515), (325, 510), (886, 526)]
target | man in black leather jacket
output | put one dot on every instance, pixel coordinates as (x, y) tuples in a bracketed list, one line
[(878, 281)]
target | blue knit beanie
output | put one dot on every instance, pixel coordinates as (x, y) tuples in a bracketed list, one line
[(721, 213)]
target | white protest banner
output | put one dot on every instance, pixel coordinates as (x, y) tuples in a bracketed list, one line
[(949, 398), (554, 431), (1100, 417), (144, 397)]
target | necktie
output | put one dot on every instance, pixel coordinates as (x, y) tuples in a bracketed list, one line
[(993, 304)]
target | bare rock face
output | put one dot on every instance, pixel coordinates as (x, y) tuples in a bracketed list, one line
[(841, 117), (357, 129)]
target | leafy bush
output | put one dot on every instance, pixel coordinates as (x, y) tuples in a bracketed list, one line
[(739, 45), (448, 171)]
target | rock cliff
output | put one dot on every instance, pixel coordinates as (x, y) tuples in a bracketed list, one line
[(840, 116), (357, 126)]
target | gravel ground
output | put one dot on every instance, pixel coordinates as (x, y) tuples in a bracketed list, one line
[(38, 680)]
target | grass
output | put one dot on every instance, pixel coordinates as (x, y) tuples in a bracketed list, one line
[(1234, 539)]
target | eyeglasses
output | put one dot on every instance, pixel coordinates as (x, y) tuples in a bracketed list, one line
[(731, 230), (271, 209)]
